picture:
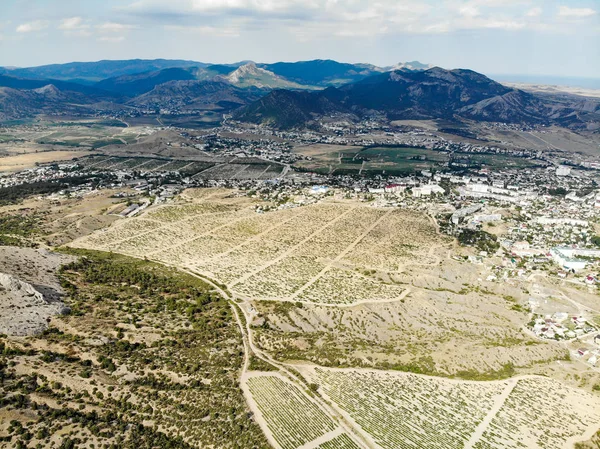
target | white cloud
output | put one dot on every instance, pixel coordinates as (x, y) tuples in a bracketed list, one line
[(75, 26), (72, 23), (232, 31), (113, 27), (503, 25), (112, 39), (469, 11), (566, 11), (534, 12), (36, 25), (318, 19)]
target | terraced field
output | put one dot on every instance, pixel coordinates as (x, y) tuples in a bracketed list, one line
[(320, 254)]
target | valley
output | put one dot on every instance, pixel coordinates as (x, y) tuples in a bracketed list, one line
[(310, 255)]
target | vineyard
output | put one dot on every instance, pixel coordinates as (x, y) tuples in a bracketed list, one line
[(401, 410), (541, 413), (321, 253), (211, 168), (340, 442), (291, 417)]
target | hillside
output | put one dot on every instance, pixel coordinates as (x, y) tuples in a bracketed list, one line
[(97, 71), (49, 99), (432, 94), (321, 72), (250, 75), (140, 83), (177, 94), (28, 84), (287, 109)]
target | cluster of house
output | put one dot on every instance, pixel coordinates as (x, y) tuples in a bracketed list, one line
[(592, 356), (38, 174), (560, 326)]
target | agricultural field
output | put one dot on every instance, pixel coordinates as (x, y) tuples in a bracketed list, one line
[(290, 416), (337, 289), (206, 169), (393, 160), (398, 410), (64, 134), (239, 170), (542, 413), (340, 442), (340, 159), (313, 254), (495, 161), (29, 160)]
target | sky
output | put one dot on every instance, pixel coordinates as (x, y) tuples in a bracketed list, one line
[(559, 38)]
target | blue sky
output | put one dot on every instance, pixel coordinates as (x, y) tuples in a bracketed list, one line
[(533, 37)]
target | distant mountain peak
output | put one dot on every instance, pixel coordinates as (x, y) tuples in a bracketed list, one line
[(250, 74), (49, 89), (246, 70), (411, 65)]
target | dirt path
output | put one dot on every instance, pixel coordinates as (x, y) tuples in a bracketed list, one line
[(249, 348), (496, 406)]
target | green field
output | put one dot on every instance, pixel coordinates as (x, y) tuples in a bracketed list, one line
[(496, 160), (398, 160), (375, 160)]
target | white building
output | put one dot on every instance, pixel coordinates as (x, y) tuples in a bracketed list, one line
[(561, 221), (486, 218), (427, 190), (563, 170), (564, 257)]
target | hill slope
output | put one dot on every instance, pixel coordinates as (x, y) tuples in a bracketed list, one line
[(250, 75), (140, 83), (321, 72), (97, 71), (178, 94), (403, 94), (28, 84)]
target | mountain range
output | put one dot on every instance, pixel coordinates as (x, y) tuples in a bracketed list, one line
[(283, 94)]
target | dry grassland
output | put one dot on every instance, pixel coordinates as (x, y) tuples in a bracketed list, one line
[(29, 160)]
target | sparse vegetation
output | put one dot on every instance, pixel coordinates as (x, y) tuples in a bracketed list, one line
[(154, 363)]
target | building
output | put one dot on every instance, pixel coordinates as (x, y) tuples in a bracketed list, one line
[(464, 212), (561, 221), (319, 190), (479, 188), (563, 170), (565, 258), (487, 218), (427, 190), (394, 188)]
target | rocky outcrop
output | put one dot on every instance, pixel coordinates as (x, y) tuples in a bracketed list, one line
[(23, 309)]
